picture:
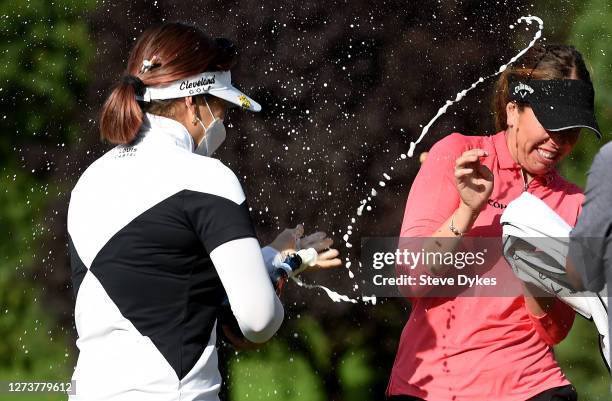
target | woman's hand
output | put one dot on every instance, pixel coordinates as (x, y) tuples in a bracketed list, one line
[(237, 339), (327, 257), (474, 181), (286, 241), (290, 240), (537, 301)]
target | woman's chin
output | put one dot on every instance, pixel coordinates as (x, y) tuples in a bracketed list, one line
[(537, 168), (540, 165)]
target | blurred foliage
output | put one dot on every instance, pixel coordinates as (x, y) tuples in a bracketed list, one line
[(581, 362), (43, 74), (273, 373), (591, 34), (297, 366)]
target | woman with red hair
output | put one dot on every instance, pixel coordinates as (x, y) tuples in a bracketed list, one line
[(160, 234)]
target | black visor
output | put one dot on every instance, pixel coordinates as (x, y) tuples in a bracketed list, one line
[(558, 104)]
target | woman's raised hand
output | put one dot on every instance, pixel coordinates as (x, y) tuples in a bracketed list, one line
[(286, 241), (474, 181)]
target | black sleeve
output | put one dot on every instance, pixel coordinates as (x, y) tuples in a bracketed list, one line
[(216, 219)]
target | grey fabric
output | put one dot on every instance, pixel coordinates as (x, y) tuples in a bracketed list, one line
[(590, 240), (590, 247)]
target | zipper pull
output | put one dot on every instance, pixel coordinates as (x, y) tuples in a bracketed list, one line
[(525, 185)]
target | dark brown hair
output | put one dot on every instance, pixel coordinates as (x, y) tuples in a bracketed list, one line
[(548, 61), (176, 51)]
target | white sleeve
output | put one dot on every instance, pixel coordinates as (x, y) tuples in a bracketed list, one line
[(240, 266)]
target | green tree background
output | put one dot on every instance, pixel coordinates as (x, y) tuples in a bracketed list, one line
[(60, 57), (592, 36), (44, 73)]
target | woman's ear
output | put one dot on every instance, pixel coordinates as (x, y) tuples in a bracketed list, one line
[(511, 114), (190, 102), (192, 108)]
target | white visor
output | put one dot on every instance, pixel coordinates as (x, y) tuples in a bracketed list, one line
[(215, 83)]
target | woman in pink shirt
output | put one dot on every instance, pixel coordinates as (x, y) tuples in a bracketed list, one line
[(496, 348)]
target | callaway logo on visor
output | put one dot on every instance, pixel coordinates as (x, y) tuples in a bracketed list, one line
[(216, 83), (558, 104), (523, 89)]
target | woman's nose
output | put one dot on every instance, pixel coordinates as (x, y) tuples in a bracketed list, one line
[(557, 140), (562, 138)]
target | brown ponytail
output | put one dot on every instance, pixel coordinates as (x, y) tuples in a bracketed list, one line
[(176, 51), (540, 62), (121, 114)]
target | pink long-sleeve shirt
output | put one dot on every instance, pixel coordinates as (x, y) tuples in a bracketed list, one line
[(470, 348)]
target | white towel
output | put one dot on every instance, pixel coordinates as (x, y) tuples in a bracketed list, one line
[(536, 241)]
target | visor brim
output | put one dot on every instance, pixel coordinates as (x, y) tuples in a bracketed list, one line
[(562, 117), (234, 96)]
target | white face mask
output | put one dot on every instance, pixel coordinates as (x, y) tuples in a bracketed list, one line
[(214, 135)]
